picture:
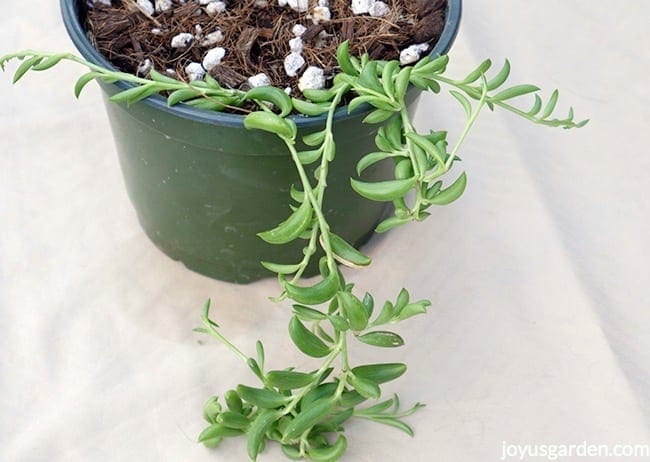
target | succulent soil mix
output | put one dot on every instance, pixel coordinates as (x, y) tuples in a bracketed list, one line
[(255, 36)]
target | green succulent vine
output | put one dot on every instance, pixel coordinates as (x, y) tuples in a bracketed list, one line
[(305, 411)]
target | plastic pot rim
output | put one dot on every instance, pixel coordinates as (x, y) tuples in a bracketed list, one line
[(77, 33)]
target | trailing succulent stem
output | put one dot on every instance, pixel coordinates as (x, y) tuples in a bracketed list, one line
[(305, 411)]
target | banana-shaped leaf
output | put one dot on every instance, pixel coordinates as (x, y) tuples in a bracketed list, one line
[(292, 227), (306, 340)]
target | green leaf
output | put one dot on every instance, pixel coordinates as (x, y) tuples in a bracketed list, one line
[(307, 418), (453, 192), (368, 304), (257, 431), (318, 96), (427, 146), (214, 434), (394, 132), (388, 77), (262, 397), (133, 95), (393, 422), (292, 452), (366, 388), (292, 227), (383, 190), (550, 106), (383, 339), (378, 116), (371, 159), (272, 123), (351, 399), (329, 453), (280, 268), (310, 109), (234, 420), (346, 254), (181, 95), (339, 323), (385, 315), (413, 309), (315, 139), (477, 73), (48, 62), (500, 78), (377, 408), (428, 68), (463, 101), (233, 401), (344, 59), (289, 380), (83, 81), (211, 409), (513, 92), (313, 295), (325, 390), (402, 83), (368, 78), (306, 313), (420, 82), (390, 223), (161, 78), (25, 66), (273, 95), (380, 373), (259, 348), (382, 142), (360, 100), (354, 310), (537, 106), (402, 300), (307, 341)]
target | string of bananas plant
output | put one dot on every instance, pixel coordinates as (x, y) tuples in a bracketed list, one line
[(305, 411)]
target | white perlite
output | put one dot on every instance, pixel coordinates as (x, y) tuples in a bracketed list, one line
[(283, 3), (288, 90), (214, 8), (195, 71), (292, 64), (259, 80), (163, 5), (198, 30), (296, 45), (102, 2), (323, 3), (379, 9), (146, 6), (212, 38), (412, 54), (312, 79), (361, 6), (299, 5), (213, 57), (144, 67), (205, 2), (298, 30), (156, 31), (182, 40), (321, 14), (261, 3)]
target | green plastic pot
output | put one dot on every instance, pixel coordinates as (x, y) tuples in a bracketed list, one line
[(203, 186)]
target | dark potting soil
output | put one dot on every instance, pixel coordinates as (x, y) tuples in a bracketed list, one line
[(256, 37)]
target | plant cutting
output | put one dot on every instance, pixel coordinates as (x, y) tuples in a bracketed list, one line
[(306, 411)]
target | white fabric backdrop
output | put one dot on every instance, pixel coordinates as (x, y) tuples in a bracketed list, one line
[(539, 275)]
